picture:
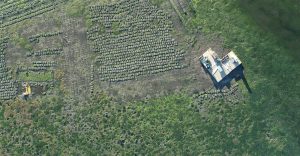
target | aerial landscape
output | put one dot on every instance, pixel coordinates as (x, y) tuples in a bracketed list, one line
[(149, 77)]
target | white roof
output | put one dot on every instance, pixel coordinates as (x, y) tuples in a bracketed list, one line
[(221, 67)]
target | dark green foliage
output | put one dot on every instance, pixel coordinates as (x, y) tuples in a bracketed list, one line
[(271, 70), (170, 125), (280, 18)]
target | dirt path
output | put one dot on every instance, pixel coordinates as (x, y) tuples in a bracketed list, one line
[(77, 63)]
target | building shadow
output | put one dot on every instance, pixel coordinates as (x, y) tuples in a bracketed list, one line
[(246, 84), (237, 74)]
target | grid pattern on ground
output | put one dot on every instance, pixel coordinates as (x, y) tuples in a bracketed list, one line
[(7, 86), (15, 11), (131, 39)]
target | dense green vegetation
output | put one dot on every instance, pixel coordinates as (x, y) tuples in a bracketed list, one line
[(264, 123), (272, 72), (171, 125), (279, 18)]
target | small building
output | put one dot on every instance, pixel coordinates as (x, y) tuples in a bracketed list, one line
[(222, 70)]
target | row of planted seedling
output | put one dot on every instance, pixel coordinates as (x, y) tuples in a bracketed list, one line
[(30, 12), (134, 74), (145, 48), (133, 21), (133, 36), (39, 66), (45, 52), (35, 38), (134, 44), (44, 63), (115, 8), (94, 32), (34, 69), (92, 79), (137, 55), (231, 95), (7, 86), (14, 8)]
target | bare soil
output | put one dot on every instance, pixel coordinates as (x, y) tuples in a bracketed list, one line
[(75, 63)]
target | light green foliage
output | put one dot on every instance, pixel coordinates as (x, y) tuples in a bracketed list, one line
[(115, 28), (88, 23), (157, 2), (35, 76), (23, 42), (75, 8)]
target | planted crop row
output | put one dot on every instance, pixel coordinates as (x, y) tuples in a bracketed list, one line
[(39, 66), (38, 84), (231, 95), (46, 52), (94, 34), (22, 10), (116, 8), (13, 9), (92, 80), (35, 84), (116, 75), (35, 69), (132, 39), (36, 38), (44, 64), (7, 86)]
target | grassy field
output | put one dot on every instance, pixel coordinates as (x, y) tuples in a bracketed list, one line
[(165, 126), (265, 122), (280, 18), (35, 76), (270, 68)]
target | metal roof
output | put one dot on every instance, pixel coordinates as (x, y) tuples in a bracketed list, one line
[(219, 68)]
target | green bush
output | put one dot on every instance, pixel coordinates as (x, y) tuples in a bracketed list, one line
[(157, 2), (24, 43), (75, 8)]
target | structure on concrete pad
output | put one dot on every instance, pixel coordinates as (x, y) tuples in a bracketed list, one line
[(222, 70)]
